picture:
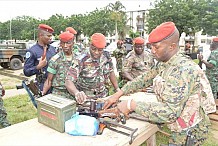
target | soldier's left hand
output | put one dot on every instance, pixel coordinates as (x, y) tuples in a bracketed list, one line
[(80, 97), (122, 106)]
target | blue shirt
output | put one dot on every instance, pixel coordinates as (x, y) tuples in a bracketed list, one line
[(33, 56)]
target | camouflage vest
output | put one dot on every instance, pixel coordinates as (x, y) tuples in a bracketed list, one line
[(190, 116)]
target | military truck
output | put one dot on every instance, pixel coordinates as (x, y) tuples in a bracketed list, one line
[(13, 55)]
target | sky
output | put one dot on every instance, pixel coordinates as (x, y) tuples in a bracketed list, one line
[(43, 9)]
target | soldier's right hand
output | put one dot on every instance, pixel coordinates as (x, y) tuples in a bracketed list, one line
[(42, 63), (80, 97), (110, 101)]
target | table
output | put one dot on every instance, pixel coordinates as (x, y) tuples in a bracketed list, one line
[(33, 133)]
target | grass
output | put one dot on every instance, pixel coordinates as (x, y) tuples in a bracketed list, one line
[(19, 109)]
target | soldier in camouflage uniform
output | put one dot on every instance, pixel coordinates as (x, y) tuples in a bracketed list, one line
[(119, 54), (58, 66), (137, 61), (88, 80), (212, 67), (181, 87), (3, 114)]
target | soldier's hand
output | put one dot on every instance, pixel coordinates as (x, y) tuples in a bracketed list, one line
[(122, 107), (80, 97), (200, 57), (111, 100), (42, 63)]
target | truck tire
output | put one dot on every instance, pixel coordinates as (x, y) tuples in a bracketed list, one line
[(15, 64), (5, 65)]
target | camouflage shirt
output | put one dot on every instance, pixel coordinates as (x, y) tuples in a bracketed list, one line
[(212, 73), (177, 85), (136, 65), (119, 54), (91, 75), (58, 66)]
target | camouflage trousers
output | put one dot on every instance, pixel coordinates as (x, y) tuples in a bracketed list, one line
[(3, 115), (63, 93), (199, 131)]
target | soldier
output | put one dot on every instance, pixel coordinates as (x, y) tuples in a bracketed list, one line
[(119, 54), (137, 61), (181, 87), (88, 81), (35, 64), (212, 67), (3, 114), (58, 66)]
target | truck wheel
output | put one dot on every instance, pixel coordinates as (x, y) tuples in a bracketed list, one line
[(5, 65), (15, 64)]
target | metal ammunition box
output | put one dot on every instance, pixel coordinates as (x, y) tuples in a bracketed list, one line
[(54, 110)]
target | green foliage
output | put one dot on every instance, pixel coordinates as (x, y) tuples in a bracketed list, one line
[(19, 109), (189, 16), (134, 34), (102, 20)]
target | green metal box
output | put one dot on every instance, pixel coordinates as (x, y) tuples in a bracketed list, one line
[(54, 110)]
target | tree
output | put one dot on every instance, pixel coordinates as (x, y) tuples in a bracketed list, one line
[(189, 16), (118, 15)]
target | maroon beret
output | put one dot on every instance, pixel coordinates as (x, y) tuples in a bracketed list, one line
[(215, 39), (46, 28), (98, 40), (66, 36), (161, 32), (138, 40), (71, 30)]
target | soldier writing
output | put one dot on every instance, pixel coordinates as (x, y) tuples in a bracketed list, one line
[(137, 61), (35, 64), (212, 67), (180, 86), (3, 114), (58, 66), (88, 79)]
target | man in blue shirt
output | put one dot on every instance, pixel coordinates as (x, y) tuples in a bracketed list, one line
[(38, 55)]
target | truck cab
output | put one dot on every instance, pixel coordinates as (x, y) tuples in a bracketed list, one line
[(13, 55)]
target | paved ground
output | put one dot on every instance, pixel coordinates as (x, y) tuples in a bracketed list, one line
[(14, 92)]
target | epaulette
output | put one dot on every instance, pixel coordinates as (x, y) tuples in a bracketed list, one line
[(55, 57), (82, 56), (128, 55)]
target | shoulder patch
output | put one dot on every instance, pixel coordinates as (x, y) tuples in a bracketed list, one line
[(55, 57), (128, 55), (28, 54), (81, 56)]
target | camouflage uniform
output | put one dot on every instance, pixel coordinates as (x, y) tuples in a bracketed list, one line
[(212, 73), (119, 54), (136, 65), (91, 75), (184, 98), (3, 114), (58, 66)]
